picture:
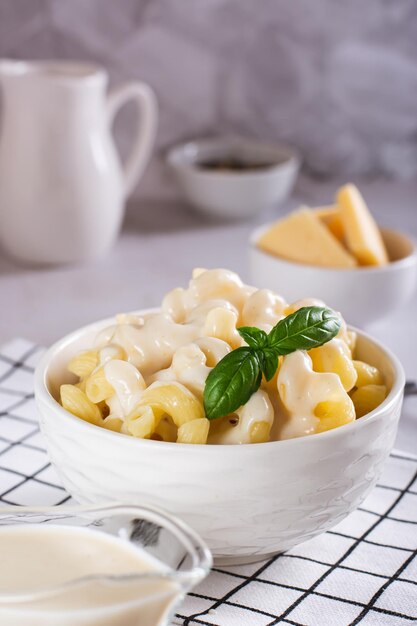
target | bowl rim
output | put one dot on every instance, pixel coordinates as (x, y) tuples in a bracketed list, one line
[(43, 394), (174, 157), (407, 261)]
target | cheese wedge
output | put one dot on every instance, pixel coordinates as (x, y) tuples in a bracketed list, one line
[(330, 216), (303, 238), (362, 235)]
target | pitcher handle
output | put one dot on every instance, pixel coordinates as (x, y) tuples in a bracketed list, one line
[(145, 100)]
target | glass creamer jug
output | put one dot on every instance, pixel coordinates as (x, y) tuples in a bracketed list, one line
[(96, 566), (62, 185)]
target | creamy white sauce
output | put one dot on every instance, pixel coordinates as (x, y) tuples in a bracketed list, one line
[(300, 391), (37, 561), (199, 314), (196, 328), (190, 364), (299, 304), (150, 347), (107, 353), (263, 309), (188, 367), (236, 429), (128, 384)]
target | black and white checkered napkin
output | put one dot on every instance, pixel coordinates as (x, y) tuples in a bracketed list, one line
[(364, 571)]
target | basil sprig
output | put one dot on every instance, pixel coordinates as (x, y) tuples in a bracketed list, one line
[(238, 375)]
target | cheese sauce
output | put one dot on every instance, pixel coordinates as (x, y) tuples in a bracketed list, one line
[(40, 563), (195, 328)]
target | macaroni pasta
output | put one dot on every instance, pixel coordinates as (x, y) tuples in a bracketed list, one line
[(145, 374)]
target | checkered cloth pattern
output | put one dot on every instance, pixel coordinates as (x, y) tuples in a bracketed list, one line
[(363, 571)]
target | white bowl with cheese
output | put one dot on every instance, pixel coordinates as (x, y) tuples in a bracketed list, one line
[(338, 254), (364, 294), (247, 501)]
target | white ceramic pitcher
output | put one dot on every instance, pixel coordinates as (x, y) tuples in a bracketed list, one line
[(62, 186)]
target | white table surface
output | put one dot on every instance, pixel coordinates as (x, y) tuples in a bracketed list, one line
[(160, 244)]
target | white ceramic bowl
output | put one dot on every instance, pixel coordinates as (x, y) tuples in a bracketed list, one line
[(246, 501), (363, 294), (233, 194)]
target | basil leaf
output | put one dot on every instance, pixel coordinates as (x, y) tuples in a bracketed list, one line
[(232, 382), (269, 363), (238, 375), (307, 328), (254, 337)]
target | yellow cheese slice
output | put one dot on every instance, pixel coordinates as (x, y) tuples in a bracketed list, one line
[(330, 216), (303, 238), (362, 235)]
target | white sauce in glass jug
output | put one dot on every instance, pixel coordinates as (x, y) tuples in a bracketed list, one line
[(39, 564)]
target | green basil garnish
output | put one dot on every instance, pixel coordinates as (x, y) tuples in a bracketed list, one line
[(238, 375)]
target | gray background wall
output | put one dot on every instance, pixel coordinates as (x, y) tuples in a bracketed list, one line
[(338, 79)]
